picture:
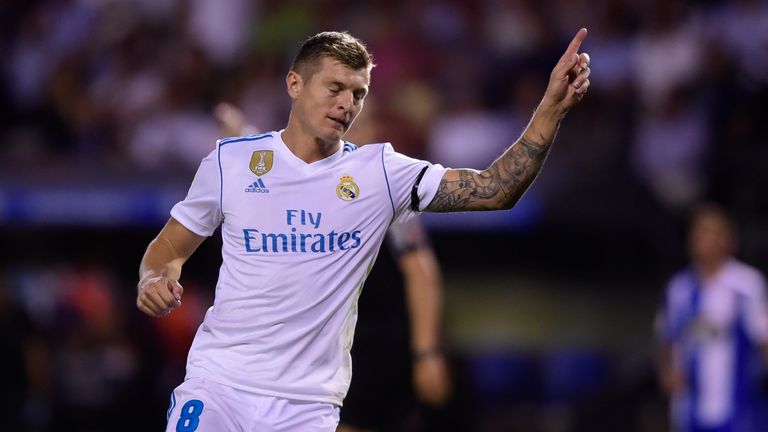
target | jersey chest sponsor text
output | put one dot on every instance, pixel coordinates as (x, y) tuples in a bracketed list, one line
[(303, 233)]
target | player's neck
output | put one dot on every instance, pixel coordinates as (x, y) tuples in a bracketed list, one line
[(709, 268), (306, 146)]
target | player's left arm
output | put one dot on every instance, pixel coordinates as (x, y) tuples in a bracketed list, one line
[(503, 183)]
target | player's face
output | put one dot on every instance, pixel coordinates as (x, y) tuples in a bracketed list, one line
[(328, 102), (710, 239)]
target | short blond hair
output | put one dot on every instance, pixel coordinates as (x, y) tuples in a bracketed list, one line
[(339, 46)]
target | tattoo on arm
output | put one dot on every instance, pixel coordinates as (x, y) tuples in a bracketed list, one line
[(499, 186)]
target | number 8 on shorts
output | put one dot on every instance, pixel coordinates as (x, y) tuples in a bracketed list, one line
[(190, 416)]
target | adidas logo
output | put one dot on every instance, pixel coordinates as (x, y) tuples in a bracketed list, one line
[(257, 187)]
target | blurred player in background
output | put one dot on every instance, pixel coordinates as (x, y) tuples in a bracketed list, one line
[(713, 327), (389, 361), (302, 216)]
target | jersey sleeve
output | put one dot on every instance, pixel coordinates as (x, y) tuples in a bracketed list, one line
[(200, 211), (756, 313), (402, 171), (407, 236)]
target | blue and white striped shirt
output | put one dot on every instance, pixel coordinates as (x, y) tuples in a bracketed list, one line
[(713, 325)]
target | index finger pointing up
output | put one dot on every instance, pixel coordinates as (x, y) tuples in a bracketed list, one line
[(575, 44)]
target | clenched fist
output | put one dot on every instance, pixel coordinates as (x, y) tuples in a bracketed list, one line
[(159, 295)]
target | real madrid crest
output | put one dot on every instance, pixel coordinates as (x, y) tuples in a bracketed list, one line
[(261, 162), (347, 189)]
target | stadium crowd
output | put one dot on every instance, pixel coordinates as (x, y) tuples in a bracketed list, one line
[(122, 90)]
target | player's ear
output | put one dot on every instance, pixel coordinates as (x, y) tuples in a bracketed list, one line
[(293, 83)]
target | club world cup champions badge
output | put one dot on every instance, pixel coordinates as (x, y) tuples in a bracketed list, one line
[(261, 162), (347, 189)]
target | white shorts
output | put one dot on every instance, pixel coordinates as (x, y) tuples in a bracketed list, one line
[(200, 405)]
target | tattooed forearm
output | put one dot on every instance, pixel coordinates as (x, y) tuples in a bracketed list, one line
[(519, 166), (469, 191), (498, 187)]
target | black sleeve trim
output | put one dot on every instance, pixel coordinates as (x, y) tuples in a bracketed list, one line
[(415, 190)]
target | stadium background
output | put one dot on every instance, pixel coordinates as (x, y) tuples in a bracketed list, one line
[(549, 308)]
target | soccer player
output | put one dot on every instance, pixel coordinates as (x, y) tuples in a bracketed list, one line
[(713, 325), (404, 287), (302, 216)]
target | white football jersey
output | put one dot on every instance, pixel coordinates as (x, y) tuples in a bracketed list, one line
[(298, 242)]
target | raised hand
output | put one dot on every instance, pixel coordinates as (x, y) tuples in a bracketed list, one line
[(569, 80), (501, 185), (230, 119)]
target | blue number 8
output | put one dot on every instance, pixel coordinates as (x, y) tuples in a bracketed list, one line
[(190, 416)]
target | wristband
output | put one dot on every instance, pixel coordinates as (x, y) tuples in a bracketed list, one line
[(426, 353)]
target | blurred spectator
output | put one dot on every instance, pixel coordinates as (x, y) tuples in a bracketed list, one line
[(261, 93), (220, 28), (610, 45), (25, 392), (128, 83), (513, 27), (667, 52), (670, 148), (466, 132), (95, 364), (31, 60), (180, 132), (469, 136), (742, 26)]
